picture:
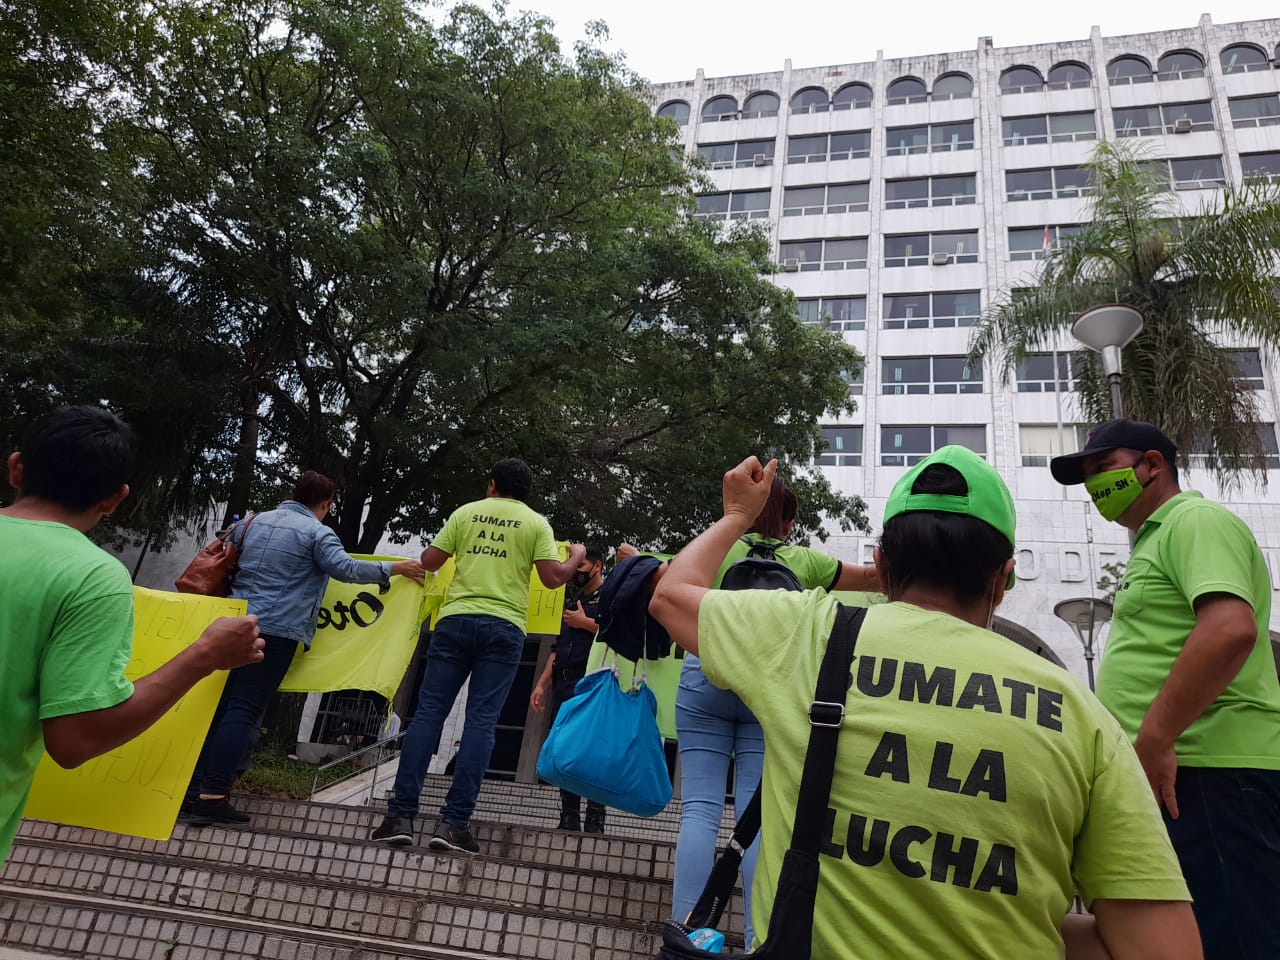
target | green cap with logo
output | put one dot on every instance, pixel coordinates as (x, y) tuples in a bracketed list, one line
[(988, 498)]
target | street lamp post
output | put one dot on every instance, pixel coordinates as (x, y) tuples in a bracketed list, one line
[(1108, 329), (1084, 615)]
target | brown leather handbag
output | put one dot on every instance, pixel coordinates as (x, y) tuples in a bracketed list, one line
[(210, 573)]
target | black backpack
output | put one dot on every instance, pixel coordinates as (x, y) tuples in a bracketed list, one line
[(760, 569)]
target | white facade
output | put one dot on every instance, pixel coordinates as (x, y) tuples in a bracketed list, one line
[(1018, 124)]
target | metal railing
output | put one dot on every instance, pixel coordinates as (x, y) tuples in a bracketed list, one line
[(380, 746)]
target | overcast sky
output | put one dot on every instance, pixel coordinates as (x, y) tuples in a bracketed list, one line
[(670, 39)]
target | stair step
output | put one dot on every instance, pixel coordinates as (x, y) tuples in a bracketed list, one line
[(79, 926)]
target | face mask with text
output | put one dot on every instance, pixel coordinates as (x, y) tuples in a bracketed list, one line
[(1113, 491)]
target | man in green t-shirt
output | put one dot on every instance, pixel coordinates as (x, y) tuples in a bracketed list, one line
[(1189, 674), (977, 786), (478, 639), (66, 611)]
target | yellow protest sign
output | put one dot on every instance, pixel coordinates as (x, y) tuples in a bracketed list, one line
[(664, 680), (364, 639), (545, 606), (138, 787)]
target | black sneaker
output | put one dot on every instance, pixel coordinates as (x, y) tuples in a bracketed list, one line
[(595, 818), (204, 812), (570, 821), (453, 838), (396, 831)]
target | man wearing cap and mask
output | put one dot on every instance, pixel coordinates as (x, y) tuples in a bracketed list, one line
[(977, 786), (1188, 672), (566, 666)]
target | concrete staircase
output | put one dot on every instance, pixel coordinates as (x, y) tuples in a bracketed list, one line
[(302, 881)]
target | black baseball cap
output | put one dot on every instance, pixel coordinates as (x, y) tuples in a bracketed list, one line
[(1112, 435)]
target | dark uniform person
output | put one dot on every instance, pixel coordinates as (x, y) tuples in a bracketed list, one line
[(566, 666)]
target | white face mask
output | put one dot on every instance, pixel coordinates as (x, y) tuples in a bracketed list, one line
[(991, 605)]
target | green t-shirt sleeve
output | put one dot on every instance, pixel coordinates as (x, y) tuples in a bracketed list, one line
[(1123, 851), (818, 571), (544, 547), (82, 668), (744, 635), (1210, 551), (447, 538)]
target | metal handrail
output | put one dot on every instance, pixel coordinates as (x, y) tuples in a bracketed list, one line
[(379, 746)]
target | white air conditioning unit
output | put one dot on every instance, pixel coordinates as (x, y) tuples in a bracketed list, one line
[(941, 259), (1182, 125), (790, 266), (760, 159)]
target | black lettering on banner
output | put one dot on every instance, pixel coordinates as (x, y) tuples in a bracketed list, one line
[(950, 856), (939, 685), (986, 776), (900, 848), (888, 676), (940, 770), (373, 609), (890, 757), (1049, 709), (829, 845), (323, 619), (980, 691), (499, 537), (480, 534), (1020, 691), (871, 852), (1000, 872)]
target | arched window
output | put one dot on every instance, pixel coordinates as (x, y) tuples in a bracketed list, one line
[(1243, 58), (953, 86), (760, 105), (720, 108), (1180, 65), (1128, 69), (810, 100), (852, 96), (908, 90), (1069, 76), (677, 110), (1021, 80)]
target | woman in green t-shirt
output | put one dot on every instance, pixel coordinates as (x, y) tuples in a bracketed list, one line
[(713, 725)]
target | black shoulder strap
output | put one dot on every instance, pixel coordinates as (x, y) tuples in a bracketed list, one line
[(826, 716), (761, 548)]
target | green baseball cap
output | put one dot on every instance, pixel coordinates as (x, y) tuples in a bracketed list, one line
[(988, 498)]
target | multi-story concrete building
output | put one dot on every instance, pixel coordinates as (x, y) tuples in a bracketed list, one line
[(903, 195)]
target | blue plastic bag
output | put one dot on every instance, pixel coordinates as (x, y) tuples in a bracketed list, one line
[(605, 746)]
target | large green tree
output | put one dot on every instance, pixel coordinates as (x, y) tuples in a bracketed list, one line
[(396, 250), (1203, 279)]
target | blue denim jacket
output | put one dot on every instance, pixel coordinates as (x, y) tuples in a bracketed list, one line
[(286, 559)]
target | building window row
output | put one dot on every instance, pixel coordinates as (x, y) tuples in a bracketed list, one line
[(900, 376), (849, 145), (838, 313), (937, 309), (1034, 243), (935, 138), (738, 205), (1047, 128), (825, 198), (953, 191), (841, 253), (905, 446), (931, 249), (1161, 118), (1261, 111), (1046, 183), (1261, 166), (741, 153)]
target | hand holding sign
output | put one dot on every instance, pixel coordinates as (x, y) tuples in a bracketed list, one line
[(231, 642)]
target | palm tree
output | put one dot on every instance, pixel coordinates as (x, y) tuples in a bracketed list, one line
[(1199, 280)]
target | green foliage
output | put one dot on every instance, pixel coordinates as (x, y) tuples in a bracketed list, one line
[(1198, 281), (396, 251), (275, 775), (1109, 582)]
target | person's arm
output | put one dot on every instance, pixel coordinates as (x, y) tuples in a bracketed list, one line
[(1146, 929), (556, 573), (226, 643), (538, 699), (577, 618), (862, 577), (433, 559), (1222, 639), (330, 557), (689, 576)]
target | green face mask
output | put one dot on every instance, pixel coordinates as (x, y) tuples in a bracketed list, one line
[(1113, 491)]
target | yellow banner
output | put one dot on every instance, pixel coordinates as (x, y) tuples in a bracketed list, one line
[(364, 639), (138, 787), (545, 606)]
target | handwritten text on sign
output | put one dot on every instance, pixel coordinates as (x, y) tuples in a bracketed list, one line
[(137, 788)]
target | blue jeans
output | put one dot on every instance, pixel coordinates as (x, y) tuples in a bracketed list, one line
[(488, 650), (712, 725), (244, 701), (1227, 837)]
